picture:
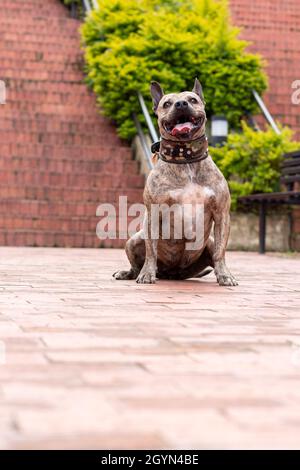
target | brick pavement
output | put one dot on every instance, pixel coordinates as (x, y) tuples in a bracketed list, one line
[(96, 363)]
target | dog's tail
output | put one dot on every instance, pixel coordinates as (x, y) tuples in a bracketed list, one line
[(204, 272)]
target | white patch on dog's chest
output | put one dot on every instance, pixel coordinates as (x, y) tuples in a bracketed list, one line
[(192, 193), (209, 192)]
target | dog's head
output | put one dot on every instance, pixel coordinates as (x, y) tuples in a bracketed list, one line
[(181, 116)]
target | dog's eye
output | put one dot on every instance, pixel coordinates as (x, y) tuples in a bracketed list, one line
[(167, 104), (193, 101)]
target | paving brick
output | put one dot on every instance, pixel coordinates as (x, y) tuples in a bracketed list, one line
[(92, 362)]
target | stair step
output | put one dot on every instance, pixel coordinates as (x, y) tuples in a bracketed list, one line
[(52, 126), (41, 24), (37, 86), (53, 138), (66, 224), (86, 119), (25, 11), (53, 194), (46, 56), (111, 163), (50, 123), (69, 47), (63, 225), (52, 4), (44, 76), (40, 40), (67, 28), (33, 210), (75, 180), (42, 238), (60, 111), (63, 152), (42, 101), (40, 66)]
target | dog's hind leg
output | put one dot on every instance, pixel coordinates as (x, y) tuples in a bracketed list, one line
[(203, 266), (136, 252), (208, 258)]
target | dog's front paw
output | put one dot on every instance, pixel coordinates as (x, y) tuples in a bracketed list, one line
[(226, 279), (146, 277), (125, 275)]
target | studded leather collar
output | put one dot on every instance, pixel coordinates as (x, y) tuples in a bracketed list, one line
[(181, 152)]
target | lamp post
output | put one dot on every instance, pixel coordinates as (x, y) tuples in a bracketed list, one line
[(219, 130)]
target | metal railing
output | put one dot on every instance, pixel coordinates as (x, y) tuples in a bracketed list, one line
[(144, 142), (90, 4), (266, 113), (87, 5), (151, 129)]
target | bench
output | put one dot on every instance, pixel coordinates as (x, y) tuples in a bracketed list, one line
[(290, 178)]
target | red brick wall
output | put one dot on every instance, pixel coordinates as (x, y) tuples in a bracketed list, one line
[(59, 158), (273, 27)]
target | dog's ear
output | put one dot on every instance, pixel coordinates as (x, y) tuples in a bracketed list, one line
[(198, 89), (157, 93)]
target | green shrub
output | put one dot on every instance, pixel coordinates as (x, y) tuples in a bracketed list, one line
[(250, 161), (68, 2), (128, 43)]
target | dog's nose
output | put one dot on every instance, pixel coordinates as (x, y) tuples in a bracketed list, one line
[(181, 104)]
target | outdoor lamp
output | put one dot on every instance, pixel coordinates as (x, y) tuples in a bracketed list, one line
[(219, 130)]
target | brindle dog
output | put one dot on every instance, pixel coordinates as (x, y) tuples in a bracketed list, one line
[(181, 120)]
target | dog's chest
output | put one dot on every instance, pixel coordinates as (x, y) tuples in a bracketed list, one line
[(191, 189)]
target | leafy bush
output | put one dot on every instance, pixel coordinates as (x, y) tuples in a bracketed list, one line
[(250, 161), (128, 43), (69, 2)]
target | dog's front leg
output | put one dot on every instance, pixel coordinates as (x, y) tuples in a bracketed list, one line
[(221, 234), (148, 272)]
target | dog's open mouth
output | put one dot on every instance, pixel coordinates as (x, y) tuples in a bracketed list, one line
[(183, 125)]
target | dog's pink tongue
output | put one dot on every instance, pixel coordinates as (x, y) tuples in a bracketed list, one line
[(183, 128)]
